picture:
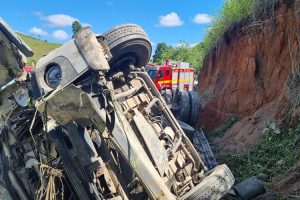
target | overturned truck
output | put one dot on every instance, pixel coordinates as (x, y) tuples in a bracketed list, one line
[(88, 123)]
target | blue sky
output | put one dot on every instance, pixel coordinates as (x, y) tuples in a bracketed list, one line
[(170, 21)]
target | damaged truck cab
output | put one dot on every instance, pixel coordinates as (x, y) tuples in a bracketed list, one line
[(100, 121)]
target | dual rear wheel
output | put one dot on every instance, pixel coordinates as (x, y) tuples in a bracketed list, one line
[(187, 106)]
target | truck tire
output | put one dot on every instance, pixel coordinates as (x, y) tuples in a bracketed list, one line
[(183, 101), (249, 189), (202, 146), (195, 104), (128, 43), (214, 186), (167, 94)]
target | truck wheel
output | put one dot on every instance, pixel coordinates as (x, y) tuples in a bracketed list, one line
[(174, 94), (128, 44), (168, 96), (183, 101), (202, 146), (195, 107), (214, 186)]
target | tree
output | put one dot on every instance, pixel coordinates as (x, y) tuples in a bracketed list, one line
[(76, 26), (184, 52), (160, 50)]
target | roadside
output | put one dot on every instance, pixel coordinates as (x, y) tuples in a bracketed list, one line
[(274, 159)]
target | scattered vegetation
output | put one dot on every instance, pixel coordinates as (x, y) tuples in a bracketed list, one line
[(232, 13), (274, 154), (39, 47), (221, 130)]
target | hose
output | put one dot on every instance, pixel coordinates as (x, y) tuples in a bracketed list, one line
[(126, 93)]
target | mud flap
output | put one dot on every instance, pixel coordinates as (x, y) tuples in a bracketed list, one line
[(202, 146), (200, 143)]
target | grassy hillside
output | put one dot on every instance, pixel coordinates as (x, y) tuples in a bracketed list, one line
[(39, 47)]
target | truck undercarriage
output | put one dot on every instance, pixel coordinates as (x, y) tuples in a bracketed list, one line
[(96, 127)]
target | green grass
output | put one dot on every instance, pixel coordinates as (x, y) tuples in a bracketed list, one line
[(39, 47), (231, 14), (221, 130), (275, 154)]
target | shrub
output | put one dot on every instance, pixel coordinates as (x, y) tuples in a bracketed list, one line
[(274, 154)]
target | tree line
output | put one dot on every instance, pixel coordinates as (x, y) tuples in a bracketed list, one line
[(183, 52)]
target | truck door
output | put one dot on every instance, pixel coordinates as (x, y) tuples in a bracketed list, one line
[(168, 81), (164, 75), (161, 79)]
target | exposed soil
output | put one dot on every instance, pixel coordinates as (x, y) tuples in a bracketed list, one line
[(253, 73), (247, 131), (250, 67)]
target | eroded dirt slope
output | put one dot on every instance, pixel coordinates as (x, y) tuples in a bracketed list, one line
[(249, 74)]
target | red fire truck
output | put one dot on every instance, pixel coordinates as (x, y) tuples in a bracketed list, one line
[(175, 81), (173, 75)]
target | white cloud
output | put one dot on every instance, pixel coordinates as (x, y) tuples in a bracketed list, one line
[(170, 20), (202, 18), (60, 35), (185, 44), (59, 20), (38, 31), (181, 44), (193, 44)]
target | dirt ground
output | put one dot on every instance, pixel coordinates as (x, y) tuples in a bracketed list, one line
[(247, 131)]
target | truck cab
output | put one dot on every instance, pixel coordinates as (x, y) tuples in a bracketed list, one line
[(161, 76)]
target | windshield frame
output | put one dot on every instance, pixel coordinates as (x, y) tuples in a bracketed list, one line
[(152, 72)]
